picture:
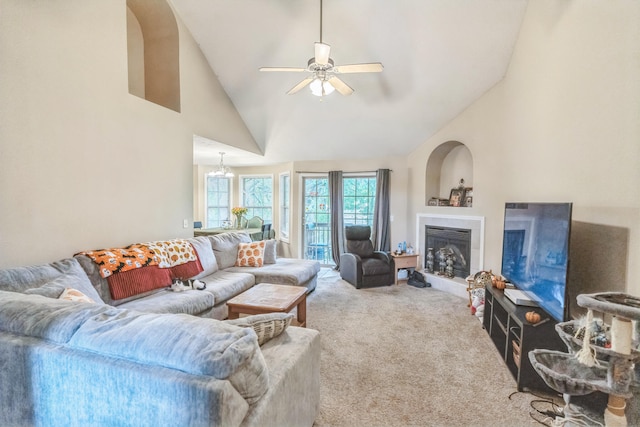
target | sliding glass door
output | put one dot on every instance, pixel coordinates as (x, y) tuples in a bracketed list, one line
[(316, 220), (358, 201)]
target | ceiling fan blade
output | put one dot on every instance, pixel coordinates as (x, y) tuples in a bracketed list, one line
[(322, 53), (340, 86), (293, 69), (373, 67), (300, 85)]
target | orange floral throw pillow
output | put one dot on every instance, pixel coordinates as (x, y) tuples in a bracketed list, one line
[(250, 254)]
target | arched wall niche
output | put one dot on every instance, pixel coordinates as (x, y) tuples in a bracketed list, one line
[(153, 52), (447, 164)]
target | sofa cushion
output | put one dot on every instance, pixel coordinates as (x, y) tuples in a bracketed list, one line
[(69, 275), (166, 301), (270, 251), (20, 279), (250, 254), (224, 285), (92, 270), (191, 344), (140, 280), (225, 247), (286, 271), (41, 317), (266, 326), (207, 259)]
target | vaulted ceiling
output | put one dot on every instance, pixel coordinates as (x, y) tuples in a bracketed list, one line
[(438, 55)]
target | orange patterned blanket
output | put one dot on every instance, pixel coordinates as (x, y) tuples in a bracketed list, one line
[(172, 252), (164, 253)]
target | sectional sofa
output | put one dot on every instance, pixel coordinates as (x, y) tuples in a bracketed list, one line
[(155, 357)]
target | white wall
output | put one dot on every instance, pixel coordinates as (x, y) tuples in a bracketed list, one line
[(564, 125), (86, 165)]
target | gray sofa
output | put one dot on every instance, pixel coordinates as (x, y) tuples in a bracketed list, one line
[(217, 254), (156, 359)]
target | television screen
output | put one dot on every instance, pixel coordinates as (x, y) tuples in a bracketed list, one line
[(535, 252)]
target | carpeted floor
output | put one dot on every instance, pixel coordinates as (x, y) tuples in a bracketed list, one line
[(404, 356)]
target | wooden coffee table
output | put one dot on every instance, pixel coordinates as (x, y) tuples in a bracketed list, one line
[(269, 298)]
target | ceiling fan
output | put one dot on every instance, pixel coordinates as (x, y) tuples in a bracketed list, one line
[(324, 79)]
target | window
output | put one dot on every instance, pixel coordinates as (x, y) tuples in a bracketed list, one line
[(218, 201), (359, 200), (285, 205), (257, 196), (358, 208)]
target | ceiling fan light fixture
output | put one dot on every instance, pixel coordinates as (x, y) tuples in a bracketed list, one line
[(323, 79), (321, 87)]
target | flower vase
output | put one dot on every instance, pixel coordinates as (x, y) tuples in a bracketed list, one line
[(238, 223)]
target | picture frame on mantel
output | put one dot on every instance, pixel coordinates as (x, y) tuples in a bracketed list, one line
[(468, 197), (456, 198)]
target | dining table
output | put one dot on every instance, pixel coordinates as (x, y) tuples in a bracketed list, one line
[(218, 230)]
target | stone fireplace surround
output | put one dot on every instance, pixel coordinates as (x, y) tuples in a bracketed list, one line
[(456, 285)]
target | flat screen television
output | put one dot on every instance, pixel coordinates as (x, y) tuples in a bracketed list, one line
[(535, 253)]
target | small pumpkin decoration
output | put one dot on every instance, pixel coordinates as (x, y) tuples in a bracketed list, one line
[(532, 317)]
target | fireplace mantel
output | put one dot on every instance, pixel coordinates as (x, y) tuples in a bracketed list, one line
[(456, 285)]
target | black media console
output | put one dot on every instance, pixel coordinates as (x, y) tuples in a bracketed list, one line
[(514, 337)]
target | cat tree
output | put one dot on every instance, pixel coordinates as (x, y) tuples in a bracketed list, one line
[(590, 366)]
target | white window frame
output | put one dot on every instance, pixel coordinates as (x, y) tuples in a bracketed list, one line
[(206, 199), (358, 175), (285, 207), (241, 179)]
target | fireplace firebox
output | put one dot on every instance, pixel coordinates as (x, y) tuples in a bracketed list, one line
[(456, 240)]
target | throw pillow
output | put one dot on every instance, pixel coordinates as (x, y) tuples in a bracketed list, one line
[(70, 294), (270, 251), (250, 254), (266, 326)]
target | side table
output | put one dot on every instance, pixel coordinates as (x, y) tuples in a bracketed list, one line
[(403, 261)]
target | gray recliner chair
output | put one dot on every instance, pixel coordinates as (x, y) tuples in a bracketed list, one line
[(360, 265)]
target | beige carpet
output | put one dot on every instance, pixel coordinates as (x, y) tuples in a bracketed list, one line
[(404, 356)]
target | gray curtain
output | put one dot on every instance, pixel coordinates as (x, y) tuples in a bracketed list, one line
[(381, 213), (337, 224)]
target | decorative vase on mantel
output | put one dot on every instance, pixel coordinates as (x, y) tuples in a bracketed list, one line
[(430, 259)]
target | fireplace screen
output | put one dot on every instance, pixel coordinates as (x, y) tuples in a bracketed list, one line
[(456, 241)]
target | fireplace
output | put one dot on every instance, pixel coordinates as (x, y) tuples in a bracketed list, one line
[(455, 240)]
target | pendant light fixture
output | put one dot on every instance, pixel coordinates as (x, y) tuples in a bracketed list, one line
[(222, 170)]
